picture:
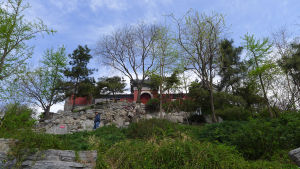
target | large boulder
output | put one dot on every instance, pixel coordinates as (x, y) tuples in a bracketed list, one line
[(208, 119), (295, 156), (60, 159), (5, 162)]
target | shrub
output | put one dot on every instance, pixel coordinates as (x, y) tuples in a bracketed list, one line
[(234, 113), (188, 105), (172, 106), (146, 129), (153, 105), (176, 153), (16, 117), (257, 138)]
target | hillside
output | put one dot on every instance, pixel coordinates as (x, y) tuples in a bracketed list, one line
[(154, 143)]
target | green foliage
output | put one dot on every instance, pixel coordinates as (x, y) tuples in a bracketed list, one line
[(153, 105), (78, 72), (171, 154), (257, 138), (180, 105), (161, 144), (188, 105), (172, 106), (15, 32), (16, 117), (178, 153), (146, 129), (110, 85), (291, 64), (43, 86), (234, 113), (231, 69)]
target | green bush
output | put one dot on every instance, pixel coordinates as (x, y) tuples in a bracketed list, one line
[(172, 106), (188, 105), (16, 117), (257, 138), (176, 153), (153, 105), (180, 105), (146, 129), (234, 113)]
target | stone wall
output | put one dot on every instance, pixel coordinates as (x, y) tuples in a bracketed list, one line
[(54, 159), (120, 114)]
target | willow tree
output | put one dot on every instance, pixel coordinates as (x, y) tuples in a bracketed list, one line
[(129, 50), (199, 37)]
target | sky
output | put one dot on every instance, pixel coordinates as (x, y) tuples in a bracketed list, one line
[(84, 22)]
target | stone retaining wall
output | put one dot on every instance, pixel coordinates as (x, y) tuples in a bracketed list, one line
[(48, 159), (120, 114)]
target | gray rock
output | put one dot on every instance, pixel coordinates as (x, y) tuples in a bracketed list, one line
[(119, 122), (295, 156), (59, 159), (58, 129), (208, 119), (4, 145), (148, 116), (5, 162)]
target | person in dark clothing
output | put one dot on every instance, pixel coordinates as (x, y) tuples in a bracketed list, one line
[(97, 120)]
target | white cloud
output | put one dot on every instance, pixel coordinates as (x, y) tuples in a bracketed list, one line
[(110, 4), (65, 6)]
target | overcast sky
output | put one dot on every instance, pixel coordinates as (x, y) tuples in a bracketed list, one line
[(80, 22)]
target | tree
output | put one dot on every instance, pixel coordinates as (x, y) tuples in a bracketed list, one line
[(15, 31), (166, 58), (257, 53), (199, 38), (291, 65), (78, 72), (129, 50), (231, 68), (43, 86), (285, 51), (111, 85)]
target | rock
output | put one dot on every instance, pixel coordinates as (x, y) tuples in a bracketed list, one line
[(130, 114), (60, 159), (121, 114), (208, 119), (175, 119), (148, 116), (119, 122), (5, 162), (4, 145), (60, 112), (295, 156), (87, 125), (58, 129)]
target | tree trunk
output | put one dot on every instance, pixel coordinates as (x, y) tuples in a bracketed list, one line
[(138, 100), (74, 97), (212, 106), (47, 112), (265, 96), (160, 100), (73, 104), (263, 89), (291, 91)]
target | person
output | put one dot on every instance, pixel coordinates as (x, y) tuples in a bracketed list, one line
[(97, 120)]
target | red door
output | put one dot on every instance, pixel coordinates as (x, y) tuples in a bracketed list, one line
[(145, 97)]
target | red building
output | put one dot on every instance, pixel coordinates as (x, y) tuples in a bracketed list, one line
[(146, 94)]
